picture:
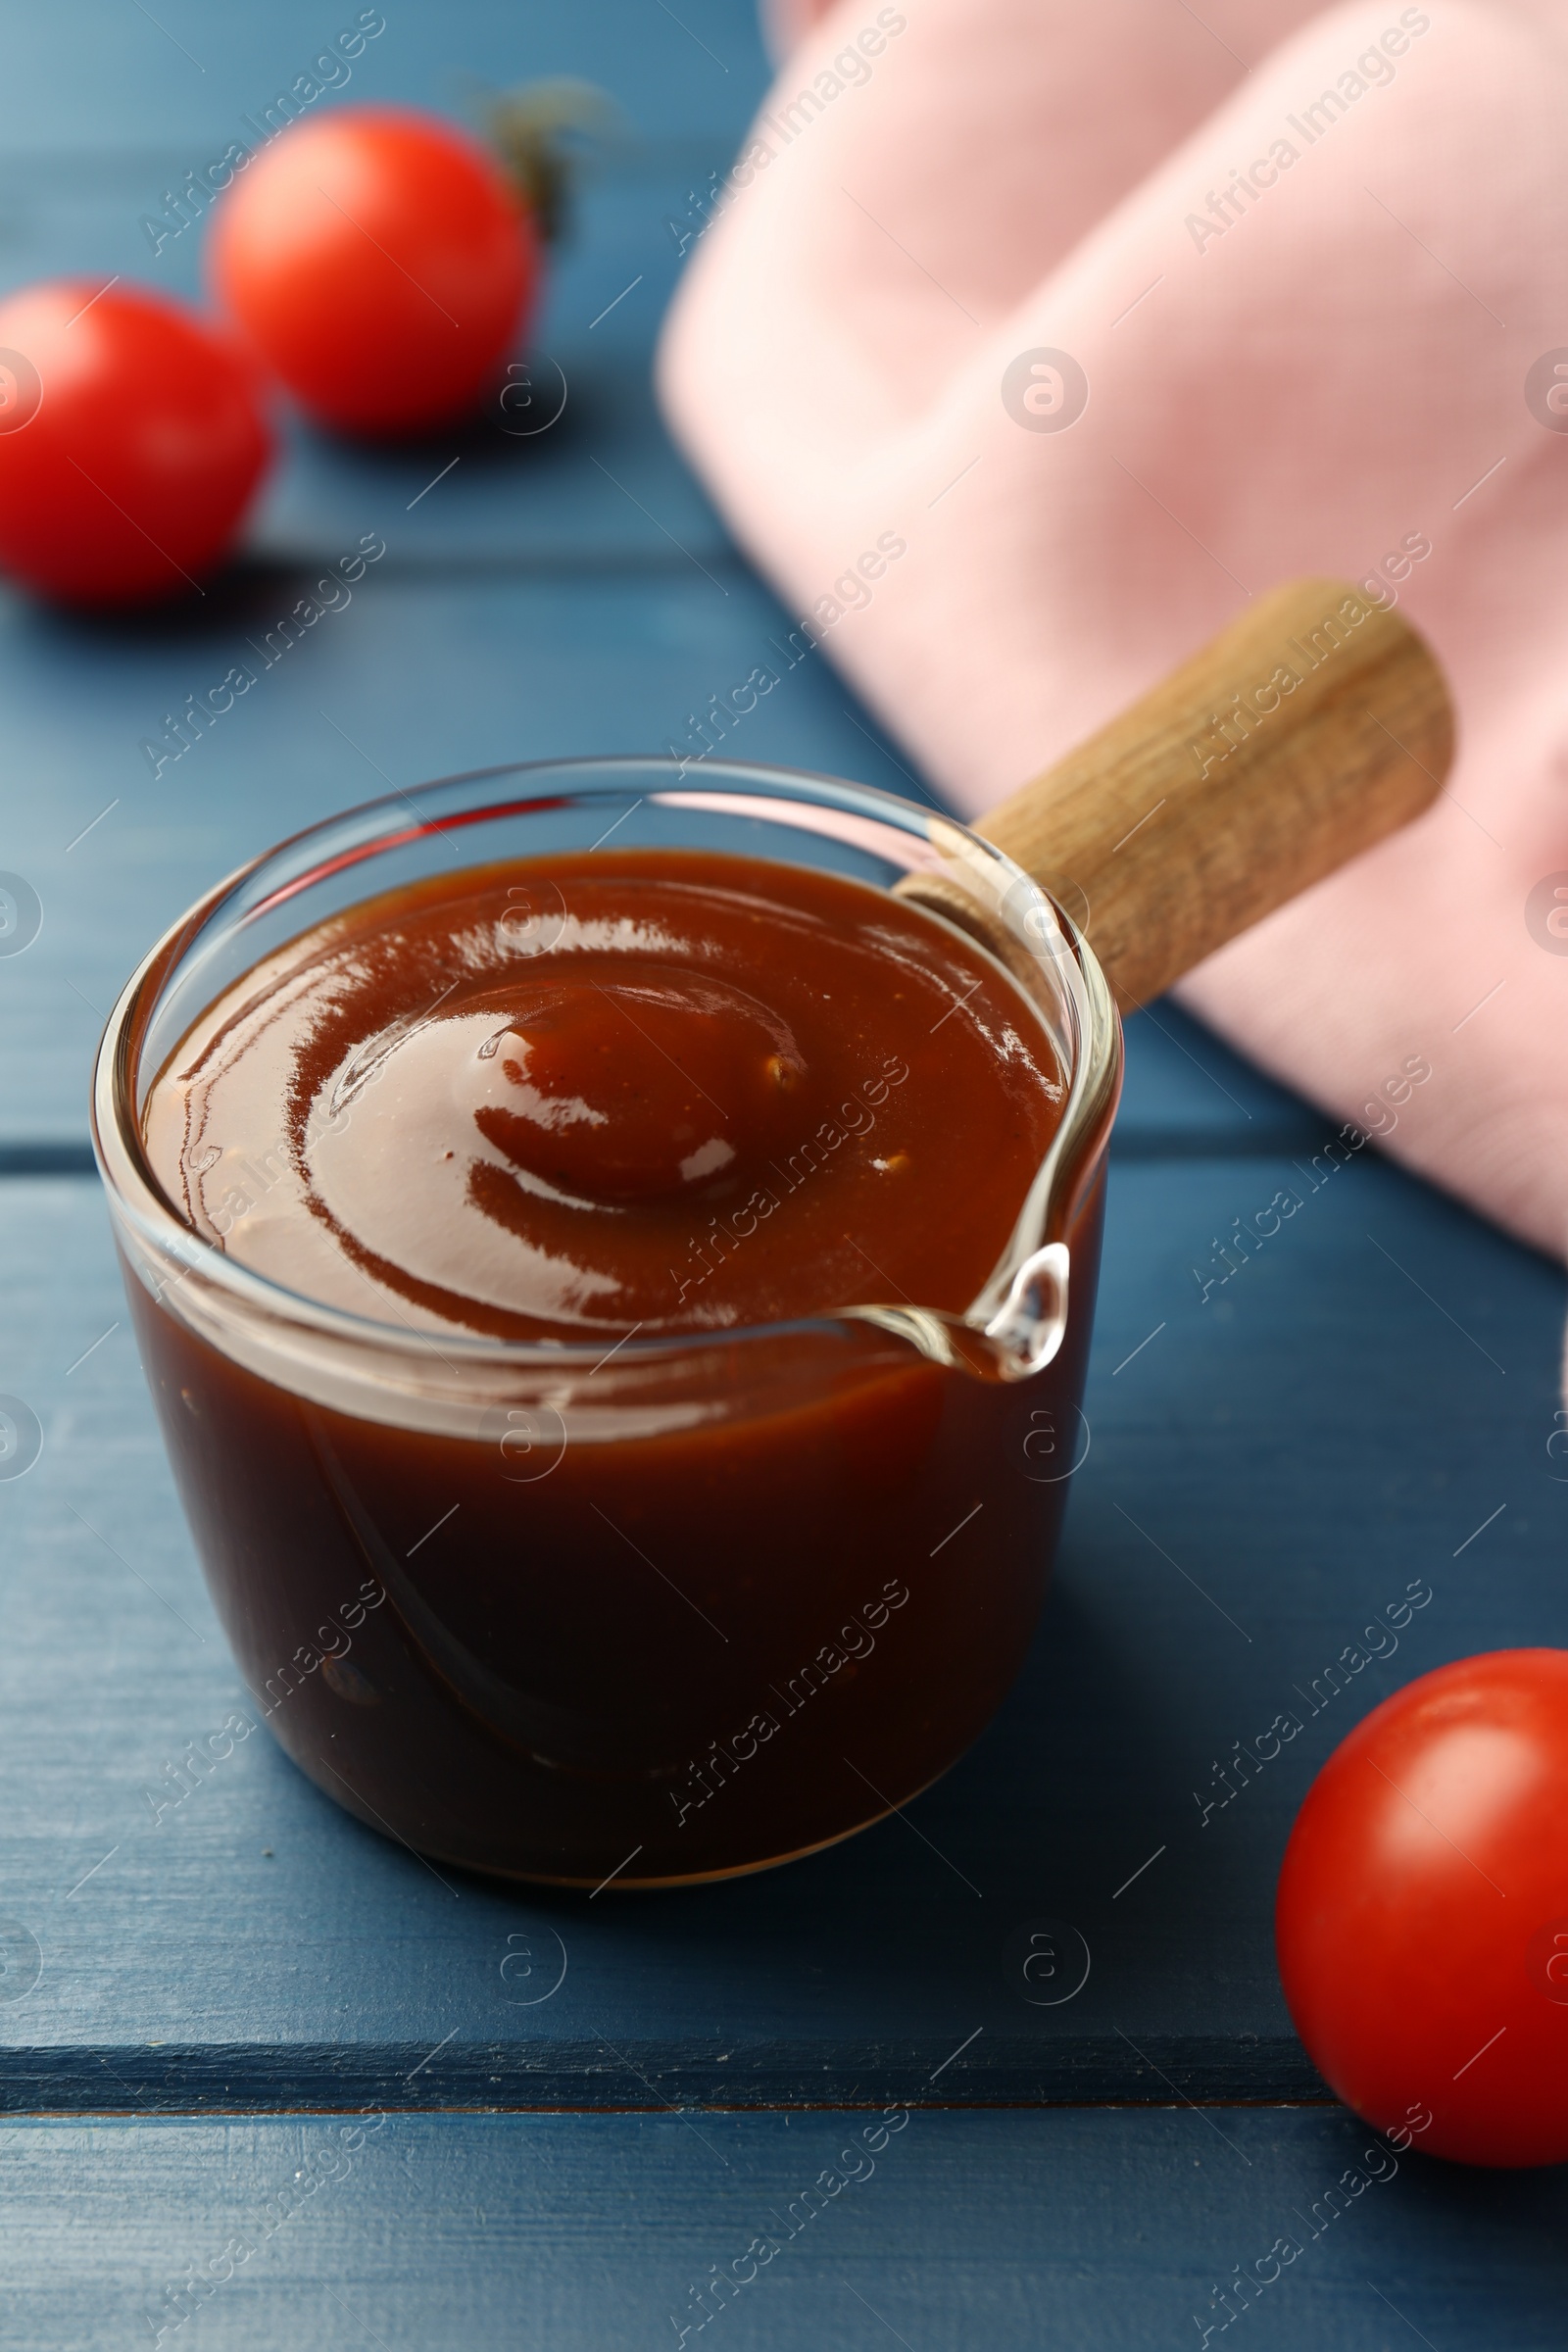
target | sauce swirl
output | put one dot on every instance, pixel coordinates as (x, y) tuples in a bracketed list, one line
[(650, 1090)]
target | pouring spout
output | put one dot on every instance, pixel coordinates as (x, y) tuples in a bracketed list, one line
[(1020, 1339)]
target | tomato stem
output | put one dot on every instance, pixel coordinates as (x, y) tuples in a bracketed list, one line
[(543, 132)]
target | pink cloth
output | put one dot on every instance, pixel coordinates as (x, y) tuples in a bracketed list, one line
[(1326, 373)]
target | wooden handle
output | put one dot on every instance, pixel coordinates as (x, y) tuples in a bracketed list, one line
[(1309, 729)]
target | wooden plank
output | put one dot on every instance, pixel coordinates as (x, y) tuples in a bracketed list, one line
[(1111, 2232), (1207, 1581), (96, 80), (1188, 1093)]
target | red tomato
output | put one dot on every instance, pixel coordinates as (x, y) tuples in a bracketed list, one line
[(131, 438), (1422, 1920), (380, 262)]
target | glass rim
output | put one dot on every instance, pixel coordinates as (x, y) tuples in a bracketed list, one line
[(135, 1195)]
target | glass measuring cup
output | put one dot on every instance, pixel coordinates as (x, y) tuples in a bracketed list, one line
[(696, 1607)]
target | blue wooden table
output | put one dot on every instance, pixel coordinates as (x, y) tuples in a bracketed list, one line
[(270, 2080)]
